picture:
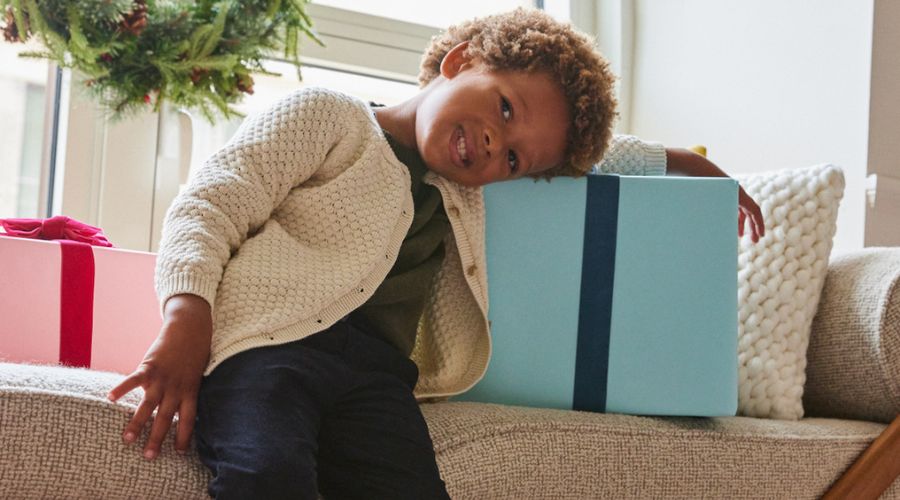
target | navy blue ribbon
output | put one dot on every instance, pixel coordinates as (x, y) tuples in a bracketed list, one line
[(597, 278)]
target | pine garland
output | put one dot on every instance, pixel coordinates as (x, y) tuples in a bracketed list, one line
[(135, 54)]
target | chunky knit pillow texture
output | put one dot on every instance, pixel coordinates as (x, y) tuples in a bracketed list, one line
[(780, 280)]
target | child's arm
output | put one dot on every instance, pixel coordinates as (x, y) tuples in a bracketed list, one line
[(170, 374), (236, 190), (683, 161), (629, 155), (229, 198)]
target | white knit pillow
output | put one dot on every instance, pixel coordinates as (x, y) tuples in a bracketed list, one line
[(780, 280)]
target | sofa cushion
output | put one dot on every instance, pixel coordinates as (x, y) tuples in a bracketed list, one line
[(854, 350), (494, 451), (780, 280), (62, 445), (61, 437)]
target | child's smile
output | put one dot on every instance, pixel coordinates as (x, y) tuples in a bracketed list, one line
[(459, 149)]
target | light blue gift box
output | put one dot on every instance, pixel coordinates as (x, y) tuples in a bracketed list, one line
[(613, 294)]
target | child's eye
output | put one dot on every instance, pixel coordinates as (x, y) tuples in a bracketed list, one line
[(505, 108), (513, 161)]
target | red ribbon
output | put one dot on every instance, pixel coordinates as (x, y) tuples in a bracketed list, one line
[(59, 227), (76, 304)]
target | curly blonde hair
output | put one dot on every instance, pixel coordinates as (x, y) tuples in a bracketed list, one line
[(531, 40)]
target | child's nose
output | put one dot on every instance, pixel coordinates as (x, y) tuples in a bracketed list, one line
[(490, 143)]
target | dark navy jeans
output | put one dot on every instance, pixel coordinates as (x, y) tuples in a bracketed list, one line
[(332, 413)]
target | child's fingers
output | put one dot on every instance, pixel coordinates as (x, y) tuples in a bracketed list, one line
[(186, 416), (754, 226), (741, 218), (144, 410), (760, 224), (161, 425), (130, 383)]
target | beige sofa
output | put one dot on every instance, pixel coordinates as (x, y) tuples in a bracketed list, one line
[(61, 438)]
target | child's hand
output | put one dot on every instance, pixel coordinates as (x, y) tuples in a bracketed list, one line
[(749, 211), (170, 374), (683, 161)]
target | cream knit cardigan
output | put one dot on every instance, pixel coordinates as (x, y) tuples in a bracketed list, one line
[(299, 217)]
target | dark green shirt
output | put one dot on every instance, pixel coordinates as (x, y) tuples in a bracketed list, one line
[(393, 312)]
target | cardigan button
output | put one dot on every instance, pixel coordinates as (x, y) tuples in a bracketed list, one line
[(471, 270), (454, 211)]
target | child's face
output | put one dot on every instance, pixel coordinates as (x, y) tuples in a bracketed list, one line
[(478, 126)]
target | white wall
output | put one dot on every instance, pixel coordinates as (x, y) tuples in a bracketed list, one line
[(765, 85), (883, 215)]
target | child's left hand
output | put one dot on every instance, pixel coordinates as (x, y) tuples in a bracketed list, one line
[(683, 161), (749, 211)]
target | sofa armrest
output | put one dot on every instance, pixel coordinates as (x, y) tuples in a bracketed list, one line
[(853, 368)]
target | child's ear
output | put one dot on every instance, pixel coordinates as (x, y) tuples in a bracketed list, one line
[(455, 60)]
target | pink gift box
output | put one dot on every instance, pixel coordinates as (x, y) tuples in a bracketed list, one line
[(55, 309)]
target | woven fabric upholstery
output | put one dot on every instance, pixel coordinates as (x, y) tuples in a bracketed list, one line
[(538, 453), (58, 445), (854, 350), (62, 439)]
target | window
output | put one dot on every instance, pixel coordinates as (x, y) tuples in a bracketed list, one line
[(23, 85)]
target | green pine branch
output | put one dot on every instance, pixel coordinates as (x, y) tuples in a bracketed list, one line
[(197, 55)]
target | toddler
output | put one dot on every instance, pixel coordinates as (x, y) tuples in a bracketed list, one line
[(325, 269)]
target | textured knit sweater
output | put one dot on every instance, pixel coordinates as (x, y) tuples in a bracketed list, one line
[(392, 313), (295, 222)]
